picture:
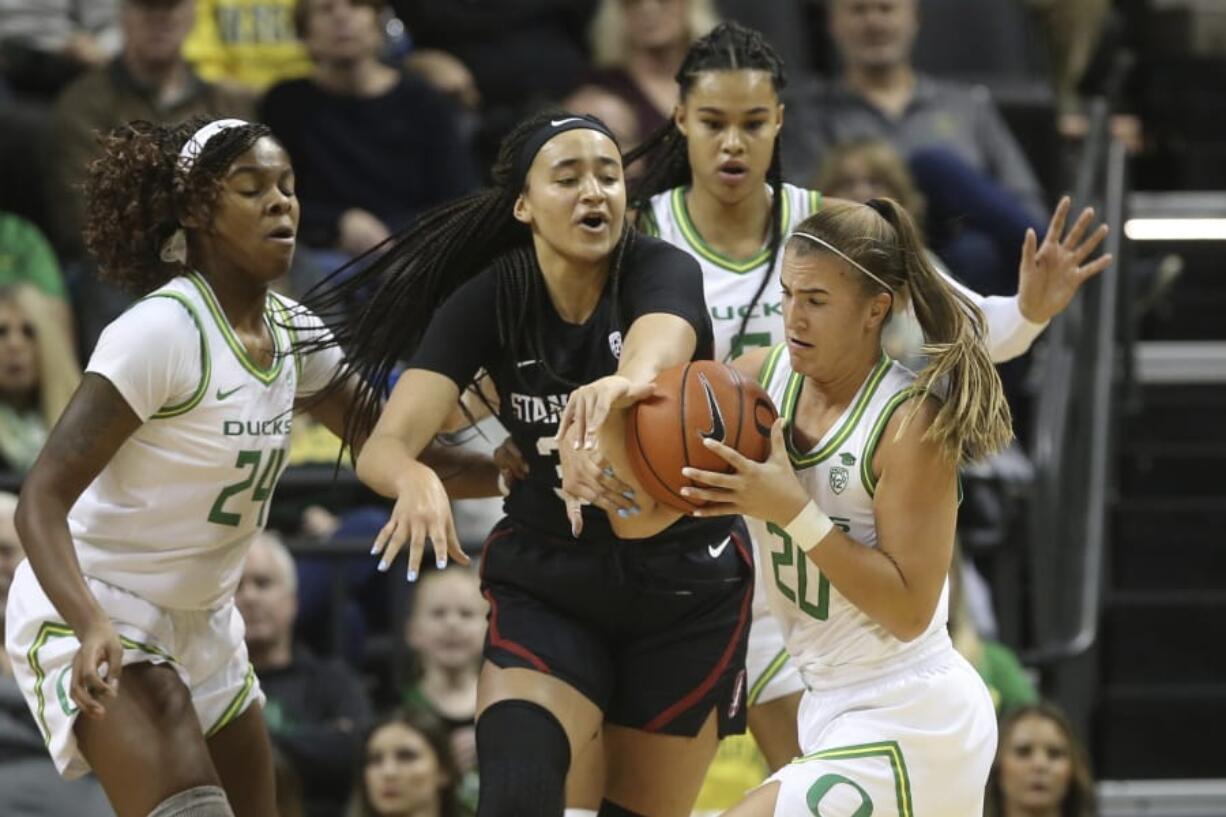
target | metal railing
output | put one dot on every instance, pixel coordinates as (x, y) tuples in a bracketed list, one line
[(1074, 419)]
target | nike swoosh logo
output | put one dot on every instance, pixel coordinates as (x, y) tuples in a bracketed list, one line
[(717, 431), (222, 395), (715, 551), (559, 122)]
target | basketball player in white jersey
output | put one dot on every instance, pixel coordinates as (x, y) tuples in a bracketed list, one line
[(122, 629), (712, 184), (854, 514)]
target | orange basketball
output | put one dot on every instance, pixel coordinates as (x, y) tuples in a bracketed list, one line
[(693, 401)]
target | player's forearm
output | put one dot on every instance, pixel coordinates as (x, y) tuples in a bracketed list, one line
[(655, 343), (465, 474), (1009, 332), (42, 524), (871, 579), (384, 462)]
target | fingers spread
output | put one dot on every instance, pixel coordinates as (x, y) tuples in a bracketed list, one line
[(1056, 228), (1079, 227), (1096, 238)]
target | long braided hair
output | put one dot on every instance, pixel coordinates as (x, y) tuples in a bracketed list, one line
[(665, 153), (380, 304)]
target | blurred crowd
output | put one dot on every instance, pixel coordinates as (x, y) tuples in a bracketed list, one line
[(390, 108)]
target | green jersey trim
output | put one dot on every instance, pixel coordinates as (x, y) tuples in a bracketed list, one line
[(206, 362), (50, 630), (791, 397), (874, 437), (681, 213), (888, 749), (265, 375), (772, 669), (283, 312), (235, 706), (767, 372), (815, 201)]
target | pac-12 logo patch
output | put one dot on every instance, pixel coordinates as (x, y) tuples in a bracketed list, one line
[(615, 344), (738, 693), (838, 479)]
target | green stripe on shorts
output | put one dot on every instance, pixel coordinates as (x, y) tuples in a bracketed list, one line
[(236, 704), (768, 675)]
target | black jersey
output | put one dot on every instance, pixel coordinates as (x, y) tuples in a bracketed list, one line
[(462, 338)]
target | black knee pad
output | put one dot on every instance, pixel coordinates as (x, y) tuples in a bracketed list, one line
[(523, 755), (611, 809)]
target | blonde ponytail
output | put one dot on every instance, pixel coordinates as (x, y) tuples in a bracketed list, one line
[(974, 419)]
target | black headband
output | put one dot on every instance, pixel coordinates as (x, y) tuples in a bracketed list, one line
[(537, 139), (882, 209)]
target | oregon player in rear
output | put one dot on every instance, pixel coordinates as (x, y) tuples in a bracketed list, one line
[(713, 185), (136, 518)]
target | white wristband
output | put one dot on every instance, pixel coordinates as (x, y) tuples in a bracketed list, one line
[(809, 527), (503, 488)]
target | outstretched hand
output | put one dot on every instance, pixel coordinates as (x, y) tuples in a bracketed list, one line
[(589, 406), (1051, 273)]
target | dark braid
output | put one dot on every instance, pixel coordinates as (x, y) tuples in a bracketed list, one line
[(398, 285), (729, 47)]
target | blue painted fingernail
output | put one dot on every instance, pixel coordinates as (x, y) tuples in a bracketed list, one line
[(374, 549), (607, 471), (628, 495), (440, 563), (626, 513), (384, 565), (412, 575)]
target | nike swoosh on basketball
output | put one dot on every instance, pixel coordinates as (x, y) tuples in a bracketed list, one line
[(717, 417), (559, 122), (715, 551), (222, 395)]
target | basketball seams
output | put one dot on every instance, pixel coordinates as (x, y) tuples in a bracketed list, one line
[(642, 457), (740, 406)]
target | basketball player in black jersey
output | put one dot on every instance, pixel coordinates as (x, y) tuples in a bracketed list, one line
[(634, 625)]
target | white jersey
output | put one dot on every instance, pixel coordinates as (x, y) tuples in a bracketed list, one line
[(170, 516), (831, 640), (730, 285)]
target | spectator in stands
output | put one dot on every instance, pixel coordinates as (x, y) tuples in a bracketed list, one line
[(638, 46), (371, 146), (38, 374), (248, 43), (406, 769), (29, 784), (446, 633), (27, 258), (44, 44), (880, 94), (315, 709), (1072, 29), (148, 80), (982, 250), (997, 665), (508, 58), (1041, 769)]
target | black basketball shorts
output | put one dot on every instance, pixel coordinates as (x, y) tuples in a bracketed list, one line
[(654, 632)]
